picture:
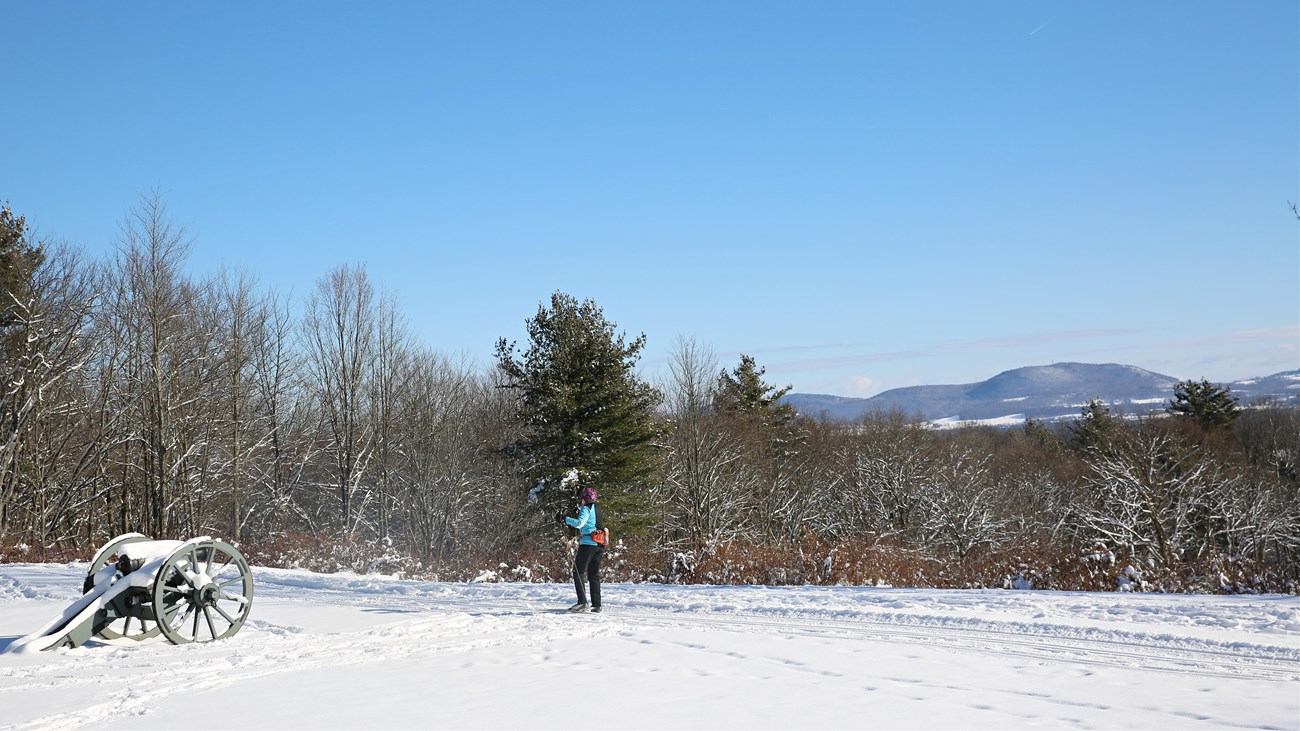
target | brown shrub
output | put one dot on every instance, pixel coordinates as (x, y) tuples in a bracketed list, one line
[(54, 553), (810, 561)]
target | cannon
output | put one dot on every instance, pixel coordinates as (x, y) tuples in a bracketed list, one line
[(136, 588)]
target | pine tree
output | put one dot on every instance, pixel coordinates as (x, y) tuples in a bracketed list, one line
[(583, 408), (742, 391), (1210, 405), (752, 411), (18, 259), (1096, 429)]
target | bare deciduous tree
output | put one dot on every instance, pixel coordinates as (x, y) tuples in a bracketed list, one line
[(1148, 491), (46, 440), (165, 363), (890, 460), (388, 373), (960, 498), (291, 444), (442, 473), (708, 490), (339, 327)]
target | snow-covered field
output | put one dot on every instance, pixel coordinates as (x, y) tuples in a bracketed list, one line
[(347, 651)]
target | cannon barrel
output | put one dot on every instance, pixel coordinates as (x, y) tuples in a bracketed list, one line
[(125, 564)]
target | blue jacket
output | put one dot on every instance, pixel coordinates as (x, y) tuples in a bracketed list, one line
[(585, 523)]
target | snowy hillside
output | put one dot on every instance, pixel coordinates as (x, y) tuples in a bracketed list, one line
[(347, 651)]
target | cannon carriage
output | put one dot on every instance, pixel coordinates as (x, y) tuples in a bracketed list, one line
[(136, 588)]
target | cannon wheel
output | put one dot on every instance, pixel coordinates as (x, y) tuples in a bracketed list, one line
[(202, 592), (131, 628)]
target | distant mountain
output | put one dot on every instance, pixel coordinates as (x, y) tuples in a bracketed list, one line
[(1284, 386), (1057, 391)]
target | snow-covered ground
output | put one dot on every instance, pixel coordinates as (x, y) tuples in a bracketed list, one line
[(347, 651)]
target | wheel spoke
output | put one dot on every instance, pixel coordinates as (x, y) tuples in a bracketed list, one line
[(224, 584), (211, 627), (195, 633), (222, 612), (175, 573), (235, 598), (180, 622), (217, 573)]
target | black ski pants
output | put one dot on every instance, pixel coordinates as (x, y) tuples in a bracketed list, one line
[(587, 565)]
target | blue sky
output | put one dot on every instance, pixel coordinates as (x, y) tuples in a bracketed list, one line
[(862, 195)]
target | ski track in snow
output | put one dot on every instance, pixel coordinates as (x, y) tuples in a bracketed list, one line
[(1241, 638), (1161, 652), (439, 634), (157, 669)]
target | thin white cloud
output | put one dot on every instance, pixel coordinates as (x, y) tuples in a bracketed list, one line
[(1288, 335), (1018, 341), (730, 355), (812, 364), (795, 348), (1013, 341), (1290, 332)]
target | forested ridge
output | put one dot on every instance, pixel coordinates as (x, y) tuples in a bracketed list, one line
[(322, 433)]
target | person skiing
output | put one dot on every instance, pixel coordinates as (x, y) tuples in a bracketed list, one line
[(587, 561)]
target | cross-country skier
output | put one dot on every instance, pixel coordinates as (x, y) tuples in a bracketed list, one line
[(587, 562)]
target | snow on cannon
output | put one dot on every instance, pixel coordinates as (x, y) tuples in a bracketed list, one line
[(198, 590)]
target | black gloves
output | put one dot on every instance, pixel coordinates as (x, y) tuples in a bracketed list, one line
[(559, 517)]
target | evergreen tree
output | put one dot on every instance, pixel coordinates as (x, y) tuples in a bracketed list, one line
[(19, 257), (1210, 405), (583, 408), (1096, 429), (752, 412), (742, 391), (1041, 436)]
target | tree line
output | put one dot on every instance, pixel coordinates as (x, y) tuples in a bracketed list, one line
[(139, 398)]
